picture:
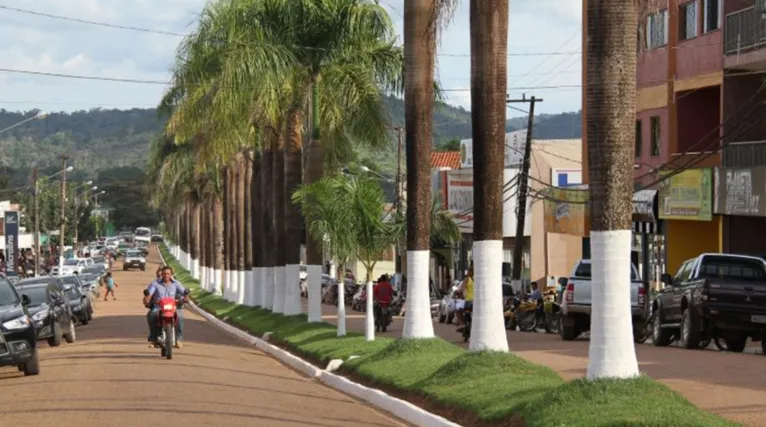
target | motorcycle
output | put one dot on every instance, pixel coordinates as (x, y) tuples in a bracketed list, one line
[(383, 317), (359, 302), (467, 320), (167, 319), (551, 313), (526, 316), (509, 313)]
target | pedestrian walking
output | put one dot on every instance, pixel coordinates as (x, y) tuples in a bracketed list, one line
[(110, 286)]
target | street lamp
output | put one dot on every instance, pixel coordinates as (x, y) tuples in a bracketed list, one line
[(368, 170), (40, 115)]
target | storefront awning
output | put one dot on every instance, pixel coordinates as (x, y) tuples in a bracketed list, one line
[(645, 206)]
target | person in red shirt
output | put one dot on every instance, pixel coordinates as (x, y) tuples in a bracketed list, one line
[(383, 292)]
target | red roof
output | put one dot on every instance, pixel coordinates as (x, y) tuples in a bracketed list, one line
[(445, 159)]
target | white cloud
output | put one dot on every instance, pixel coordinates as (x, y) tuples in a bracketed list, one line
[(49, 45)]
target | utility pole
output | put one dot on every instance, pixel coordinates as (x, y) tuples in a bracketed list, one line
[(37, 221), (521, 204), (62, 229), (399, 196)]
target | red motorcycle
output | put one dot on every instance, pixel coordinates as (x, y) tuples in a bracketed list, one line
[(167, 319)]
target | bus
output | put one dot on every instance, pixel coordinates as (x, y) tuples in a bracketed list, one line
[(143, 234)]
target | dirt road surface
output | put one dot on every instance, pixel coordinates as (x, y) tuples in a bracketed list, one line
[(110, 377), (728, 384)]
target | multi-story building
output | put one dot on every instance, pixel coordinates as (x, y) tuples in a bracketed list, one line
[(680, 105)]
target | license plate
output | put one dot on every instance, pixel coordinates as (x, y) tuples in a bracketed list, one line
[(758, 319)]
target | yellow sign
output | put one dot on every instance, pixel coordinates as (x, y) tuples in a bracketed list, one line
[(687, 195), (566, 211)]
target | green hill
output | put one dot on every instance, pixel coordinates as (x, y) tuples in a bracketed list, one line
[(101, 139)]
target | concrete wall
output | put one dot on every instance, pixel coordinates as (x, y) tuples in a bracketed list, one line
[(688, 239)]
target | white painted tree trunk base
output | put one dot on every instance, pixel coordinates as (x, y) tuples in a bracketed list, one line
[(314, 283), (488, 325), (241, 287), (292, 290), (248, 299), (217, 282), (203, 277), (257, 286), (369, 316), (279, 289), (612, 353), (341, 309), (227, 285), (267, 297), (195, 269), (417, 319)]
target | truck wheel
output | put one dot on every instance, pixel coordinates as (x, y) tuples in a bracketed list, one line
[(734, 345), (568, 333), (689, 338), (660, 336), (55, 340)]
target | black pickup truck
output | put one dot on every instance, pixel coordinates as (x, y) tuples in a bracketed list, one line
[(720, 297)]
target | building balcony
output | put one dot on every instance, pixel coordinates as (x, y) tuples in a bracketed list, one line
[(744, 154), (745, 39)]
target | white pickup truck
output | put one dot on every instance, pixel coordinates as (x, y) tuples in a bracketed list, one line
[(576, 303)]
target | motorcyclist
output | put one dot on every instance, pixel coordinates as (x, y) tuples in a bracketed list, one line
[(536, 294), (382, 294), (466, 290), (163, 287)]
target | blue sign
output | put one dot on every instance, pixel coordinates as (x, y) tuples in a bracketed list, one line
[(11, 240)]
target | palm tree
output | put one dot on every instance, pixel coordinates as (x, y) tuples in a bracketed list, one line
[(610, 121), (421, 21), (489, 64), (248, 216), (241, 190)]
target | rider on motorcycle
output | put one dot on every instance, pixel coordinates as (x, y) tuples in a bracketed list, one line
[(164, 287), (536, 294), (382, 294), (466, 290)]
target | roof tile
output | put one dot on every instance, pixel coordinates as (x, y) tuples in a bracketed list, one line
[(445, 159)]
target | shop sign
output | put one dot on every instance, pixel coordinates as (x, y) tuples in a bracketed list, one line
[(687, 195), (515, 142), (566, 211), (738, 191), (645, 206)]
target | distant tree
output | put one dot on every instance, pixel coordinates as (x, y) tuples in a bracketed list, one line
[(451, 145)]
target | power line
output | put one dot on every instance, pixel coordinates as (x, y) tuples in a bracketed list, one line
[(84, 21)]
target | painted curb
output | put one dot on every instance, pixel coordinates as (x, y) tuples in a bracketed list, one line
[(398, 407)]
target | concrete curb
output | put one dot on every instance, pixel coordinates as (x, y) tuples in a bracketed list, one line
[(400, 408)]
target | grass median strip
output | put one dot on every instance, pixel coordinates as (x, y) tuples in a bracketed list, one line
[(468, 388)]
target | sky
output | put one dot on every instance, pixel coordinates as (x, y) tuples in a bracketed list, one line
[(43, 44)]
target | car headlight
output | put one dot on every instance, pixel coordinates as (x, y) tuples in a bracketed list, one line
[(40, 315), (18, 323)]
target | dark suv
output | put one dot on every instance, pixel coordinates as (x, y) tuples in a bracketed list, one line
[(18, 344)]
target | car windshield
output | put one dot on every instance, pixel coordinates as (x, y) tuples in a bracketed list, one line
[(584, 271), (72, 293), (134, 254), (99, 259), (718, 267), (7, 294), (38, 294), (143, 233), (70, 280), (71, 262)]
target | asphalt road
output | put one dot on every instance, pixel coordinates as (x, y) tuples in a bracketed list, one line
[(110, 377), (729, 384)]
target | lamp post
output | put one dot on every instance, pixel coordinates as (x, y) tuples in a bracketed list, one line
[(40, 115), (76, 205), (62, 229)]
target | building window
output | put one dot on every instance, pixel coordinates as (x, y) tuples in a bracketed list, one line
[(657, 29), (687, 25), (712, 15), (638, 138), (656, 133)]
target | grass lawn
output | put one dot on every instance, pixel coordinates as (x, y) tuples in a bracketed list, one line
[(469, 388)]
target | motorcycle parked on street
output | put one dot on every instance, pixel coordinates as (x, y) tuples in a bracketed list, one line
[(383, 317)]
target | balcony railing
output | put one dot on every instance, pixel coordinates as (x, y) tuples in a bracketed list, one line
[(744, 30), (744, 154)]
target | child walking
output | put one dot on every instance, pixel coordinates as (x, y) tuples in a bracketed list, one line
[(110, 285)]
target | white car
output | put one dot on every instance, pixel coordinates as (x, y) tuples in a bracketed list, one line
[(134, 258), (71, 266)]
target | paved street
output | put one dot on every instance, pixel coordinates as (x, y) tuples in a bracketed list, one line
[(110, 377), (729, 384)]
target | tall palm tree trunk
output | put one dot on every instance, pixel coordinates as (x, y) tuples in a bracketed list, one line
[(204, 243), (256, 203), (278, 205), (610, 121), (314, 172), (248, 220), (185, 236), (228, 248), (217, 230), (267, 220), (419, 52), (489, 63), (195, 236), (293, 176), (240, 221)]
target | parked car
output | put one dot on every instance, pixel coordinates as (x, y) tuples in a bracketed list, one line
[(18, 333), (576, 302), (134, 258), (156, 237), (49, 309), (97, 269), (71, 266), (99, 260), (79, 303), (713, 296)]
